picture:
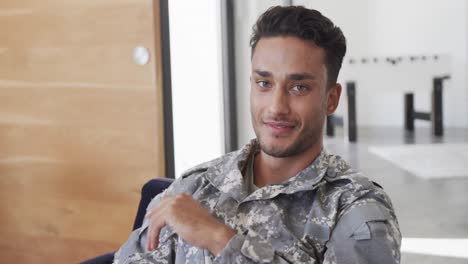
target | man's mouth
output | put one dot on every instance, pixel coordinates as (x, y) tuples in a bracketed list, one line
[(279, 128)]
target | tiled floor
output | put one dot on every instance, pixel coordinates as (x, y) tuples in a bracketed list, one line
[(425, 208)]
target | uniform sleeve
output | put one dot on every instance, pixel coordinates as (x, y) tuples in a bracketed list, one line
[(366, 233), (251, 248), (134, 249)]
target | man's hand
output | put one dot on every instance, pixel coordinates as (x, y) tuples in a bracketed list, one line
[(190, 221)]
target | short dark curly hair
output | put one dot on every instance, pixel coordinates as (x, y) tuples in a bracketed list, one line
[(306, 24)]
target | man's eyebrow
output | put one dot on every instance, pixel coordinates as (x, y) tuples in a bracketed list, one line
[(292, 76), (300, 76), (263, 73)]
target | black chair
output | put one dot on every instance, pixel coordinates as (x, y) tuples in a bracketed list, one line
[(148, 192)]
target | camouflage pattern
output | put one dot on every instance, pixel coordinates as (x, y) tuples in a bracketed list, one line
[(327, 213)]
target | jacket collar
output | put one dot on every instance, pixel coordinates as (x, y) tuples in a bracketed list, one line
[(227, 176)]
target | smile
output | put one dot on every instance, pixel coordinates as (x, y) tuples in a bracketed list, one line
[(280, 128)]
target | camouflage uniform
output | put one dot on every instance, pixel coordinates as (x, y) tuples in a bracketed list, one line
[(327, 213)]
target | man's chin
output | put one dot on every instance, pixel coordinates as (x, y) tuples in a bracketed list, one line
[(276, 150), (276, 153)]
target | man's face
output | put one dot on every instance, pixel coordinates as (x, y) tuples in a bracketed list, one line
[(288, 95)]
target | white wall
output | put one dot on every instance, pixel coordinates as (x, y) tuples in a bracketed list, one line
[(385, 28), (402, 28), (196, 81), (427, 27)]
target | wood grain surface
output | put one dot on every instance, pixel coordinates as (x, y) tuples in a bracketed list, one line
[(81, 126)]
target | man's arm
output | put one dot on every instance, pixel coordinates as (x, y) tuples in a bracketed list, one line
[(365, 233), (190, 220), (194, 224), (251, 248)]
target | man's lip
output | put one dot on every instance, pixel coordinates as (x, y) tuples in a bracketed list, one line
[(279, 128), (279, 124)]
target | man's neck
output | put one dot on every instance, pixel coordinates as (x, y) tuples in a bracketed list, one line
[(271, 170)]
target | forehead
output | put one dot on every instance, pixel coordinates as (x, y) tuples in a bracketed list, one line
[(287, 55)]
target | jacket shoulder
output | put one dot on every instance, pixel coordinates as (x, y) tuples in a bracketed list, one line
[(350, 187), (203, 167)]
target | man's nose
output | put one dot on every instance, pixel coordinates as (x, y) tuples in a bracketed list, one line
[(279, 104)]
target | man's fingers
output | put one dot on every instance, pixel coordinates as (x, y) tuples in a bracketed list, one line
[(150, 237), (152, 234), (159, 207), (157, 218), (154, 216), (155, 232)]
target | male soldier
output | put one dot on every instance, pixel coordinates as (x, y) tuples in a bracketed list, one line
[(281, 198)]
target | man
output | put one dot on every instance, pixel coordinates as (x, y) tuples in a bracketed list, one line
[(282, 198)]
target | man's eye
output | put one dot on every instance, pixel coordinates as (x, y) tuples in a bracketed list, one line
[(299, 88), (263, 84)]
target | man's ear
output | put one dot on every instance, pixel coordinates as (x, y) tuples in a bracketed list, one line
[(333, 98)]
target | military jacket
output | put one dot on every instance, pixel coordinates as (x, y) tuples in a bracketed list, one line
[(327, 213)]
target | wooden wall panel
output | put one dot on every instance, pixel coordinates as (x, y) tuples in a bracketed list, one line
[(79, 42), (81, 125)]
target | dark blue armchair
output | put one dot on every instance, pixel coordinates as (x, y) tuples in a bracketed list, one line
[(148, 192)]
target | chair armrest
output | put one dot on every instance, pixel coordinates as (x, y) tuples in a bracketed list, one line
[(148, 192)]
